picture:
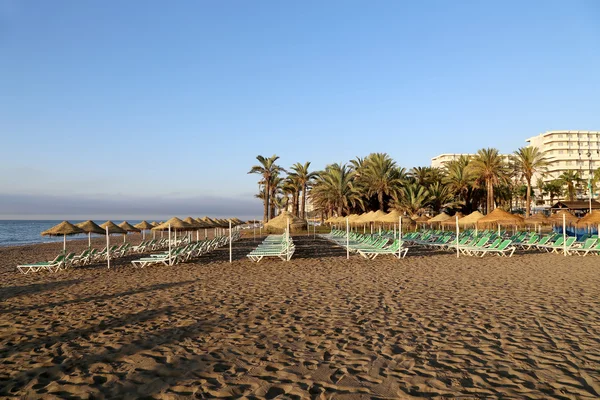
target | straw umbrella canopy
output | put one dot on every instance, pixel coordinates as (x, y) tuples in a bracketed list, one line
[(500, 217), (193, 223), (174, 222), (438, 219), (557, 218), (364, 218), (210, 222), (537, 219), (144, 226), (109, 229), (590, 219), (391, 218), (280, 222), (421, 219), (153, 223), (112, 228), (90, 227), (63, 229), (470, 219), (126, 226), (452, 221)]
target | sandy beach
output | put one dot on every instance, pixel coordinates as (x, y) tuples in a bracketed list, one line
[(319, 326)]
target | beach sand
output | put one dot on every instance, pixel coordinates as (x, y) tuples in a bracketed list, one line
[(319, 326)]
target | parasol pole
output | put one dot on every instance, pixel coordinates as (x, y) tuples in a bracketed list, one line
[(399, 235), (107, 248), (64, 243), (457, 233), (347, 239), (230, 241), (89, 239), (565, 235), (169, 244), (254, 232)]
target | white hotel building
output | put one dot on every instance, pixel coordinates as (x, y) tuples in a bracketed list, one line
[(565, 150), (569, 150)]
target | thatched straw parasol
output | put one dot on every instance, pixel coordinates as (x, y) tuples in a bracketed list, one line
[(590, 219), (153, 223), (438, 218), (193, 223), (364, 218), (421, 219), (470, 219), (174, 223), (279, 223), (63, 229), (390, 218), (210, 222), (144, 226), (537, 219), (109, 229), (90, 227), (126, 226), (452, 220), (500, 217), (557, 218)]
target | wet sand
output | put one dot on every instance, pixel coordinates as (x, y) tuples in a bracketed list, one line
[(319, 326)]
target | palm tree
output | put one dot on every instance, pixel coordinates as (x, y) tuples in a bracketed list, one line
[(291, 188), (553, 189), (420, 175), (334, 189), (304, 178), (540, 187), (380, 176), (571, 180), (439, 196), (411, 199), (267, 168), (281, 202), (489, 167), (527, 162), (275, 187), (459, 179)]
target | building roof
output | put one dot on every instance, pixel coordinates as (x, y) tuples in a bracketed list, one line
[(577, 205)]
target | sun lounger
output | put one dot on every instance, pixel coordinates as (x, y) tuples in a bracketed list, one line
[(52, 266)]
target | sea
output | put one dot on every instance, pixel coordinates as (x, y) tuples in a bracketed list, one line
[(20, 232)]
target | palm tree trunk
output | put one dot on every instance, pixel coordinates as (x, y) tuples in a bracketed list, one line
[(490, 196), (380, 199), (528, 197), (267, 192), (303, 210)]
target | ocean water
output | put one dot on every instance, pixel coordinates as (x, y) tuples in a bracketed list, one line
[(13, 232)]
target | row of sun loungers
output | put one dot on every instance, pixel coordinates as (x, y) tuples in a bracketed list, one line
[(186, 252), (368, 246), (489, 242), (91, 255), (281, 246)]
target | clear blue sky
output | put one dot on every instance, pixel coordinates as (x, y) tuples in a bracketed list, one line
[(143, 101)]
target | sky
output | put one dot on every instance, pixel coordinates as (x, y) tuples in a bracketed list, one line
[(147, 109)]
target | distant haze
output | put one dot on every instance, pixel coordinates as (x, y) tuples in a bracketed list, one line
[(122, 207)]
